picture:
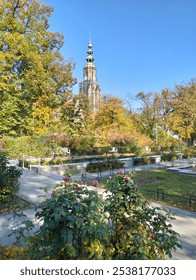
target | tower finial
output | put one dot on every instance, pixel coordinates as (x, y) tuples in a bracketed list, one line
[(90, 38), (90, 58)]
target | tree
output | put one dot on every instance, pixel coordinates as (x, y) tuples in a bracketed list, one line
[(182, 117), (75, 115), (112, 113), (76, 121), (149, 113), (33, 74), (171, 110), (116, 126), (111, 121)]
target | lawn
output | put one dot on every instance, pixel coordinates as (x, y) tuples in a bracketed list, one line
[(168, 187)]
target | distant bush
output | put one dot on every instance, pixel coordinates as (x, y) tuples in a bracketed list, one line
[(24, 163), (56, 161), (169, 157), (140, 161), (143, 160), (189, 153), (104, 165), (9, 175)]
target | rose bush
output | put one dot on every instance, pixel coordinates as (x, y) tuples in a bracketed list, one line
[(74, 225), (77, 223), (138, 230)]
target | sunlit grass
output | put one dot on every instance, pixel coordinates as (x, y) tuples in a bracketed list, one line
[(173, 189), (177, 188)]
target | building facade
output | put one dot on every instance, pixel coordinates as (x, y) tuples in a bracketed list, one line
[(90, 85)]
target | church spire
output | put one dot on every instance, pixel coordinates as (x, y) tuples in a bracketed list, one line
[(90, 85), (89, 57)]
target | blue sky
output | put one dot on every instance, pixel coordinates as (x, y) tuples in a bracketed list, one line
[(139, 45)]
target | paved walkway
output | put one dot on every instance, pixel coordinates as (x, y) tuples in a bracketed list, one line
[(31, 182)]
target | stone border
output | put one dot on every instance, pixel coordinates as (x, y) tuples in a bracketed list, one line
[(181, 170)]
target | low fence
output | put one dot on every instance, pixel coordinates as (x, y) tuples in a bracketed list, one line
[(188, 202)]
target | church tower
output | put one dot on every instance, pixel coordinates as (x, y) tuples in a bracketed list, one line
[(90, 85)]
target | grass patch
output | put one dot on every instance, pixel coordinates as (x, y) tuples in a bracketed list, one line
[(14, 203), (175, 189)]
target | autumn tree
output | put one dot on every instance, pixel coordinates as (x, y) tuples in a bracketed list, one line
[(115, 125), (34, 77), (112, 113), (172, 111), (149, 113), (111, 117), (182, 116)]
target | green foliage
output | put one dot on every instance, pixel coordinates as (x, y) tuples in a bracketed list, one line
[(78, 224), (172, 110), (75, 115), (142, 161), (74, 225), (189, 152), (15, 147), (169, 156), (82, 143), (104, 165), (138, 231), (35, 79), (71, 170), (9, 175), (13, 252)]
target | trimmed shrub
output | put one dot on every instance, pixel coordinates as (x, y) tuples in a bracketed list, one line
[(9, 178), (141, 161), (169, 157), (104, 165)]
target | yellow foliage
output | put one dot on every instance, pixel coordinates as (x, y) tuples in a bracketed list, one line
[(13, 252)]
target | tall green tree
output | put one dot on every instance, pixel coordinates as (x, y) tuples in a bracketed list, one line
[(33, 73)]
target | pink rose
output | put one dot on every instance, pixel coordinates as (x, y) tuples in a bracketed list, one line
[(121, 172), (82, 183), (95, 183), (66, 179), (127, 178)]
